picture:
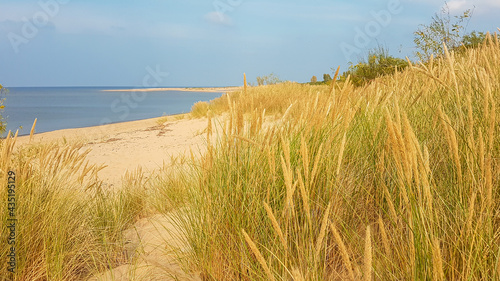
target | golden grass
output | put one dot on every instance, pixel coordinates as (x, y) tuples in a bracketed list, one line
[(199, 109), (397, 180), (32, 130), (367, 271), (258, 255), (68, 227)]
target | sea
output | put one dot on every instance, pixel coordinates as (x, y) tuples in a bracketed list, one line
[(75, 107)]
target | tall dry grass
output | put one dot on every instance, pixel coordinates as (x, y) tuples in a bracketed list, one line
[(68, 227), (398, 180)]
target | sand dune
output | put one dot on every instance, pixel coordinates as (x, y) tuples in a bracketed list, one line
[(148, 145)]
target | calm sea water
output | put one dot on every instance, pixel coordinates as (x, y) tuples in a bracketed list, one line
[(75, 107)]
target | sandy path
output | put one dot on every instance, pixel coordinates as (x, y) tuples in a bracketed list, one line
[(154, 247), (123, 147)]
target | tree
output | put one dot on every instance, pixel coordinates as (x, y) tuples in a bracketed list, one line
[(327, 77), (314, 79), (429, 39)]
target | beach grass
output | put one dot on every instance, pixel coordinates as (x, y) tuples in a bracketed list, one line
[(67, 226), (199, 109), (397, 180)]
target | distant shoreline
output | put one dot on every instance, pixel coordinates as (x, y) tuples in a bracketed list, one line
[(208, 90), (26, 104)]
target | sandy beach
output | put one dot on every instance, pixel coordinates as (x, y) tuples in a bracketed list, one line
[(146, 144)]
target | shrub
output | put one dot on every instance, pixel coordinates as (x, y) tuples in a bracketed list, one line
[(379, 63), (327, 78), (473, 39), (270, 79)]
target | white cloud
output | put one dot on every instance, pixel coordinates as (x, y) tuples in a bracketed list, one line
[(457, 5), (488, 3), (218, 18), (478, 5)]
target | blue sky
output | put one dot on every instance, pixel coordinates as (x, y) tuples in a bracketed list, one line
[(205, 43)]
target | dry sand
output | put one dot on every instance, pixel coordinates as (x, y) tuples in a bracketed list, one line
[(122, 147), (146, 144), (153, 246)]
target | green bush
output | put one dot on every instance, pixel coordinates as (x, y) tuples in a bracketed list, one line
[(379, 63), (473, 39)]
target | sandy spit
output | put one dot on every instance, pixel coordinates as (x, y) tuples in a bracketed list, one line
[(209, 90)]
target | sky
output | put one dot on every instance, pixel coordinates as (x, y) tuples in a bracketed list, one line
[(194, 43)]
